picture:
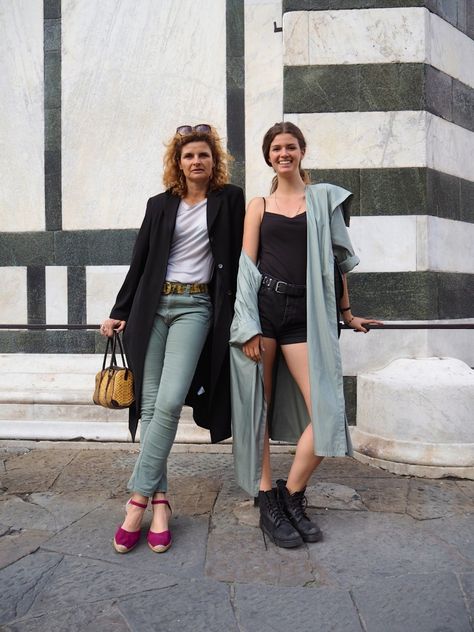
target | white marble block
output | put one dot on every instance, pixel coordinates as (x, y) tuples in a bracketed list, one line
[(416, 416), (13, 300)]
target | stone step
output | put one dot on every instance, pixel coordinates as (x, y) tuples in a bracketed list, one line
[(49, 396)]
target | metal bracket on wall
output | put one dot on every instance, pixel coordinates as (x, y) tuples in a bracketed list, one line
[(277, 29)]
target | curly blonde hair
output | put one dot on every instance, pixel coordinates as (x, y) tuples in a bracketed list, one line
[(173, 177)]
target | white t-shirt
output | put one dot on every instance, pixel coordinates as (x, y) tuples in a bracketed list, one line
[(190, 259)]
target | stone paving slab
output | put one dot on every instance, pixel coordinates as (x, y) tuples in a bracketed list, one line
[(418, 602), (392, 546), (271, 609)]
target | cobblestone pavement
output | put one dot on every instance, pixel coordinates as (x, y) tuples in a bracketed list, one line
[(397, 554)]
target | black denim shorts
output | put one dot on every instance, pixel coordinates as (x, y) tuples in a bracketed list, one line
[(282, 317)]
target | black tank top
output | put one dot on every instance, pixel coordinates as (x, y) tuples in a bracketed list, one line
[(283, 247)]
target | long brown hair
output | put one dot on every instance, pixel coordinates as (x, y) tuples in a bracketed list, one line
[(173, 177), (285, 127)]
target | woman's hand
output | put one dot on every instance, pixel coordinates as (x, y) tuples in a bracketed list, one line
[(110, 325), (358, 323), (253, 348)]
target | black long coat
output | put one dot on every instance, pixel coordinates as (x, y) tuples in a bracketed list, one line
[(138, 298)]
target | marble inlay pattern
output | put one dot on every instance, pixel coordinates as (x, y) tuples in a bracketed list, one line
[(377, 36), (347, 140), (263, 88), (21, 122), (13, 296), (131, 74)]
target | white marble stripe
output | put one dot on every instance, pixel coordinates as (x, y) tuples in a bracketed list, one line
[(410, 243), (263, 88), (13, 295), (372, 351), (21, 120), (351, 140), (56, 295), (377, 36), (102, 283)]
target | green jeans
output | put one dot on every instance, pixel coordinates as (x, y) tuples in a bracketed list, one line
[(179, 331)]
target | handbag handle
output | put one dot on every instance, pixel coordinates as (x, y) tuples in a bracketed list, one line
[(112, 342)]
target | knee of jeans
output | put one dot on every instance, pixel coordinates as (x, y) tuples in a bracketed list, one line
[(169, 407)]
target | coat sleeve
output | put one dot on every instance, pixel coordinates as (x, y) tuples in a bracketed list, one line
[(341, 243), (125, 296)]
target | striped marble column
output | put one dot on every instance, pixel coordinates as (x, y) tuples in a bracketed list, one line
[(384, 92)]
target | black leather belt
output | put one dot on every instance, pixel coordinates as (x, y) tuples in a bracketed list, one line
[(281, 287)]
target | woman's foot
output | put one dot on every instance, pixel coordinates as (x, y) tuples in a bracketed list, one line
[(159, 536), (128, 535)]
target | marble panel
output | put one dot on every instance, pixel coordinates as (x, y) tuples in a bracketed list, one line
[(384, 244), (296, 42), (450, 148), (56, 295), (22, 120), (13, 297), (348, 140), (448, 245), (132, 72), (263, 89), (103, 283), (367, 36), (449, 50)]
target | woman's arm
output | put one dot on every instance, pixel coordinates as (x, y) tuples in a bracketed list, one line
[(354, 322)]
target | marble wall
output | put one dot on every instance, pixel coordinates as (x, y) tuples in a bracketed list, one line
[(22, 120)]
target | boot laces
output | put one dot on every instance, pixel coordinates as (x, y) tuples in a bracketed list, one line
[(299, 503), (276, 510)]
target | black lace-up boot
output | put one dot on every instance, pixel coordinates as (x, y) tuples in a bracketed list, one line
[(274, 522), (294, 506)]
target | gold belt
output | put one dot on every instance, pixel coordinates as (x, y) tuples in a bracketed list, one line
[(173, 287)]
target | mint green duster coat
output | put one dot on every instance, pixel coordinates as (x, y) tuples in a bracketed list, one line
[(327, 237)]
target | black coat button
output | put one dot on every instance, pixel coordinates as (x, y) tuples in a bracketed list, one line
[(220, 266)]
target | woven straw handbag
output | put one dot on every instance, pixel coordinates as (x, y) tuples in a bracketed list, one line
[(114, 384)]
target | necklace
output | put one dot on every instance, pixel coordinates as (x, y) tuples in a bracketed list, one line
[(298, 210)]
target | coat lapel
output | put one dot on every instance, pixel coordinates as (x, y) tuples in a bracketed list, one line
[(170, 213), (214, 201)]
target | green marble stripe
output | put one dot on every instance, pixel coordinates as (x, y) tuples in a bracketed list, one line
[(36, 295), (235, 80), (378, 88)]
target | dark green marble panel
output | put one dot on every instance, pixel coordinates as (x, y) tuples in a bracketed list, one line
[(350, 396), (36, 295), (467, 201), (56, 341), (51, 9), (236, 135), (26, 249), (235, 28), (52, 129), (386, 87), (76, 295), (345, 178), (235, 73), (52, 34), (463, 104), (448, 10), (443, 195), (438, 93), (393, 191), (456, 295), (53, 201), (395, 295), (470, 18), (321, 88), (94, 247), (52, 79)]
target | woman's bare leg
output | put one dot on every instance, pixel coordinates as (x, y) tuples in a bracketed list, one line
[(268, 356), (305, 461)]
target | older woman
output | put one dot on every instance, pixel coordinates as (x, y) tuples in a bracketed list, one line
[(175, 307)]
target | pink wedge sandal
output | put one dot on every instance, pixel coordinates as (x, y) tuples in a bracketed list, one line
[(125, 541), (159, 542)]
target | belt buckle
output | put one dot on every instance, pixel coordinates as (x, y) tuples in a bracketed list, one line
[(166, 288), (277, 284)]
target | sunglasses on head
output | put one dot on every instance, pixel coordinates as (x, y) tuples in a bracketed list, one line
[(188, 129)]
